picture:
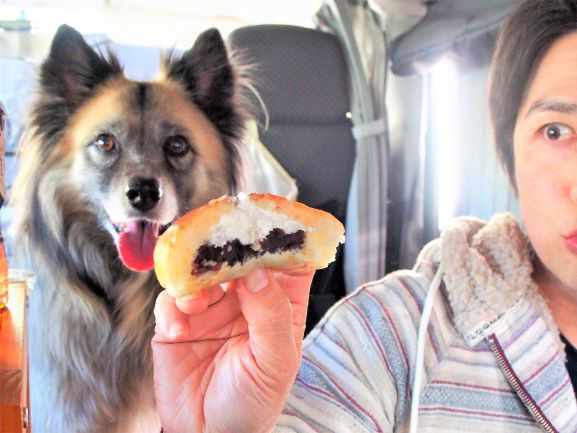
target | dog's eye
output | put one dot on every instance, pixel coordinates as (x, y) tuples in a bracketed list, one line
[(105, 143), (176, 145)]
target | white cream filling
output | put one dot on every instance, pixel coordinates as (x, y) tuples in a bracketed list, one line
[(249, 224)]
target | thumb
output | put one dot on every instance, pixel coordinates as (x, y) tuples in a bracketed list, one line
[(268, 312)]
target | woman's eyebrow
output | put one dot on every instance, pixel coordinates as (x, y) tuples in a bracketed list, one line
[(553, 105)]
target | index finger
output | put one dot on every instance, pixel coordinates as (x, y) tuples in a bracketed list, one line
[(200, 301), (292, 282)]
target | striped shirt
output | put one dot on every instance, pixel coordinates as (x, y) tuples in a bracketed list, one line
[(493, 360)]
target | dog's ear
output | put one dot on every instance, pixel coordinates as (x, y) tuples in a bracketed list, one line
[(73, 69), (209, 78)]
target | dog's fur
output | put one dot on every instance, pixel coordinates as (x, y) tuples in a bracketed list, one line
[(91, 318)]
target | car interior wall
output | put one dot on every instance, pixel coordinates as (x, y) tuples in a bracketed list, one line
[(484, 188), (485, 185), (405, 95)]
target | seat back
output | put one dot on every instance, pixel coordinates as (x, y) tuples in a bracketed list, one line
[(302, 77)]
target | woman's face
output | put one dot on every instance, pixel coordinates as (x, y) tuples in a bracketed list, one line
[(545, 146)]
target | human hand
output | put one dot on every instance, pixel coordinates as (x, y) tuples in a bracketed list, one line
[(226, 361)]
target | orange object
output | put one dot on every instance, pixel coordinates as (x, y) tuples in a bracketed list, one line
[(3, 274), (14, 392), (14, 395)]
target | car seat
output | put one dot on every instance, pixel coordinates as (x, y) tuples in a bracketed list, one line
[(301, 75)]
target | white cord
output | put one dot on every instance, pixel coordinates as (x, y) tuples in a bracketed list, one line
[(421, 339)]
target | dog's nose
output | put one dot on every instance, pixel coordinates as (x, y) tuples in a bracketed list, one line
[(143, 193)]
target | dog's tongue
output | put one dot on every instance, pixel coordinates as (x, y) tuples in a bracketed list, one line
[(136, 245)]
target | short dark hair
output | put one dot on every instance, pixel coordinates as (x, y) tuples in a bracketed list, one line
[(525, 37)]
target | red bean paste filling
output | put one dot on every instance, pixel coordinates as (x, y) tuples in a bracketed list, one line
[(211, 258)]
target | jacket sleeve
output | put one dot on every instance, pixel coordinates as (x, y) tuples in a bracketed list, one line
[(354, 374)]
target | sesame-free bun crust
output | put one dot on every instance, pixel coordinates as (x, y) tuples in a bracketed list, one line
[(176, 249)]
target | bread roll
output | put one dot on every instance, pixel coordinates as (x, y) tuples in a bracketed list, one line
[(230, 236)]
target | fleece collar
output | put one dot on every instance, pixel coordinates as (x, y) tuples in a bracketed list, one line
[(487, 271)]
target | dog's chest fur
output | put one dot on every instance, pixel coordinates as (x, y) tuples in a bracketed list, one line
[(105, 366)]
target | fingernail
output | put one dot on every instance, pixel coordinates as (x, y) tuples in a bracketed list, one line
[(256, 280), (175, 330), (303, 273), (189, 298)]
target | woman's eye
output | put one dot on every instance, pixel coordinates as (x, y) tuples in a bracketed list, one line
[(176, 145), (105, 143), (557, 132)]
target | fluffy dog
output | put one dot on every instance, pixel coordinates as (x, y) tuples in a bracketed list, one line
[(107, 165)]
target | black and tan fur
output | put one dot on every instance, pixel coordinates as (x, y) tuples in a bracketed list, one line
[(91, 318)]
